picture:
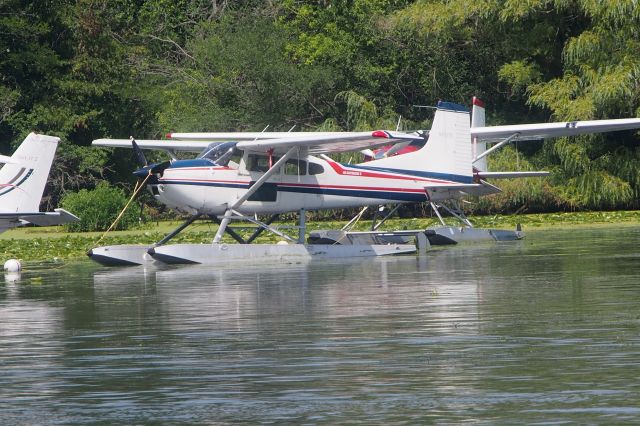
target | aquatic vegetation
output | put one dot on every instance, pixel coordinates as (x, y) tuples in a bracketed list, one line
[(53, 245)]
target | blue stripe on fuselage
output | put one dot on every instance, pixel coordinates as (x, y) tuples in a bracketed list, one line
[(213, 184), (383, 195)]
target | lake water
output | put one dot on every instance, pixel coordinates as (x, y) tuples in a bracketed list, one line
[(544, 330)]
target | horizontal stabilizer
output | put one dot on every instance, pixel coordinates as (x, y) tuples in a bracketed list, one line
[(439, 192), (7, 160), (509, 175), (56, 217)]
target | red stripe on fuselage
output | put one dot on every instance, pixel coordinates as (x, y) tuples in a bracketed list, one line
[(364, 173)]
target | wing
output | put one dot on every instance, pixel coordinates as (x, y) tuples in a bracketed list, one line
[(552, 130), (319, 144), (313, 142), (165, 145), (248, 136)]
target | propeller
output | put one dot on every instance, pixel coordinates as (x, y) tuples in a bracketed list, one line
[(146, 168), (140, 158)]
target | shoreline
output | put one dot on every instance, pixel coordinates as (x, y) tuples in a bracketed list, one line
[(52, 244)]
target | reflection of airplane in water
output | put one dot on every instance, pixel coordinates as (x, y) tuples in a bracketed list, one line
[(242, 299), (250, 174)]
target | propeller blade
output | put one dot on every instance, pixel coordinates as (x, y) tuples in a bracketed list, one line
[(140, 158)]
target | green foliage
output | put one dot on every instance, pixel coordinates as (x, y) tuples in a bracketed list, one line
[(83, 69), (597, 189), (526, 195), (360, 112), (239, 78), (519, 75), (98, 208)]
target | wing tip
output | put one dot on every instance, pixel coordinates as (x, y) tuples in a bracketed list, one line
[(381, 134)]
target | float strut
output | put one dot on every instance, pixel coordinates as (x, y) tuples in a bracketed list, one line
[(229, 231), (302, 227), (434, 207), (177, 230), (261, 229)]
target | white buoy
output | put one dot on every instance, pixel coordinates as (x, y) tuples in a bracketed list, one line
[(12, 265)]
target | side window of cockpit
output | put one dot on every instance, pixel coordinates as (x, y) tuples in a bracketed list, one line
[(222, 154), (234, 161), (295, 167), (315, 169)]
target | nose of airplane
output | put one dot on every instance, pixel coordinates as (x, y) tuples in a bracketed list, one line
[(143, 172), (152, 169)]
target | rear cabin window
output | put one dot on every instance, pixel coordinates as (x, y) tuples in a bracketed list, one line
[(295, 167), (315, 169)]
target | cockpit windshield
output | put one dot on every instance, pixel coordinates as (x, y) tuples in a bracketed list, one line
[(219, 153)]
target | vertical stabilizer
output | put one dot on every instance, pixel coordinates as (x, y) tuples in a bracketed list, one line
[(478, 120), (22, 180), (447, 153)]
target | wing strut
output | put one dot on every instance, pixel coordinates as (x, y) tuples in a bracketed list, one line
[(230, 210), (496, 146)]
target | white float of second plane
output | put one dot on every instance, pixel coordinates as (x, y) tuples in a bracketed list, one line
[(272, 173)]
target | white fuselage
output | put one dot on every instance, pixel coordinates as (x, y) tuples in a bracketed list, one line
[(309, 183)]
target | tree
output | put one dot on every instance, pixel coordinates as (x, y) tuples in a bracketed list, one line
[(569, 59)]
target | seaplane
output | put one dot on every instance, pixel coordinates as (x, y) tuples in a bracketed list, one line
[(23, 177), (238, 176)]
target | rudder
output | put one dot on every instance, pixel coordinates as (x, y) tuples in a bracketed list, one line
[(478, 120)]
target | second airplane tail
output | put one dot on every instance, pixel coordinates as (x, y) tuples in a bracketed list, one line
[(23, 178)]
